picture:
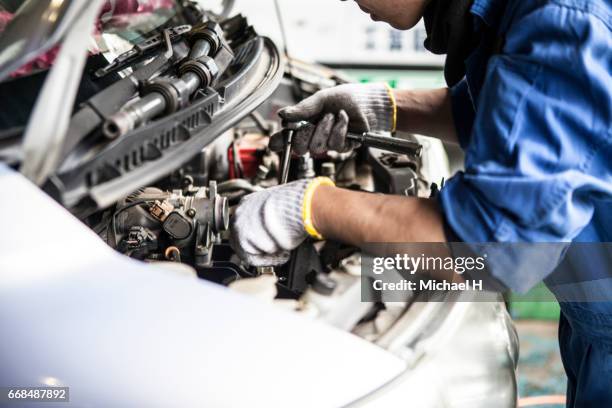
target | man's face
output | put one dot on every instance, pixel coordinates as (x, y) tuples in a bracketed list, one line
[(401, 14)]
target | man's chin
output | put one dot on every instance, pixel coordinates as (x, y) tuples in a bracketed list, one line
[(394, 24), (400, 25)]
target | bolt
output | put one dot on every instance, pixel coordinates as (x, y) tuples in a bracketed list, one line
[(306, 168), (187, 181), (191, 213), (266, 270), (328, 169), (173, 254), (262, 172)]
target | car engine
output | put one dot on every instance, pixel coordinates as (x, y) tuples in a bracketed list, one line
[(176, 133), (167, 138)]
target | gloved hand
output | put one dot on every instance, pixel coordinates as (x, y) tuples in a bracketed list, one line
[(333, 112), (269, 224)]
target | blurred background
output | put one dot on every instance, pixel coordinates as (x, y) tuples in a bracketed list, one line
[(340, 35)]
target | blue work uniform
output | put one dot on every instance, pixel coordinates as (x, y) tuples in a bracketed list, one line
[(534, 115)]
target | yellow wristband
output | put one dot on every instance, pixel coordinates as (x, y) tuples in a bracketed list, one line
[(394, 105), (307, 204)]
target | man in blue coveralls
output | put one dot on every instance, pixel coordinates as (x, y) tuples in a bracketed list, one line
[(529, 99)]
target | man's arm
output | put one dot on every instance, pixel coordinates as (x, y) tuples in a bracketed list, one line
[(358, 218), (426, 112), (273, 222), (361, 218), (366, 107)]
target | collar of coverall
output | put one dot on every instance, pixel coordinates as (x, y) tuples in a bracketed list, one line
[(449, 26)]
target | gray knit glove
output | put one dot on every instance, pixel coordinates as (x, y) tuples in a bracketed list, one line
[(333, 112), (269, 224)]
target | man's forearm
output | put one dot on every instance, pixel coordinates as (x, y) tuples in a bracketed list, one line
[(426, 112), (359, 218)]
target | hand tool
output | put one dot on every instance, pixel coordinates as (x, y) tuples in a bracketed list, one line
[(284, 175), (378, 141)]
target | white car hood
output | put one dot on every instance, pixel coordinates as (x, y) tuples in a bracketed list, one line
[(122, 333)]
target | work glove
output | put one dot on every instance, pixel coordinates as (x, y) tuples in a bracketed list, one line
[(268, 224), (333, 112)]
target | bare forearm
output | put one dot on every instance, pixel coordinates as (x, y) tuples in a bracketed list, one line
[(426, 112), (359, 218)]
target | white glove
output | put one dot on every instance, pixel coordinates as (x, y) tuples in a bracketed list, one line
[(269, 224), (334, 112)]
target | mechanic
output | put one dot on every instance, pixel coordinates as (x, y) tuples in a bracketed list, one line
[(529, 99)]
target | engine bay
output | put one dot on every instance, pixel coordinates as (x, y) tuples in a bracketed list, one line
[(167, 135), (185, 217), (157, 162)]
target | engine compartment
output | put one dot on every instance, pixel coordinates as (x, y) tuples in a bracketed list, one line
[(169, 135), (185, 216), (172, 135), (156, 161)]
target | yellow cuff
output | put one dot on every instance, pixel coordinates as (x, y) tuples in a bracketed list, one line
[(307, 205), (394, 105)]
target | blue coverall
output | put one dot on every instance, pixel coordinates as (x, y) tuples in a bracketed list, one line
[(534, 116)]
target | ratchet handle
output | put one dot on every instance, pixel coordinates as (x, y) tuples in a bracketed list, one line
[(391, 144)]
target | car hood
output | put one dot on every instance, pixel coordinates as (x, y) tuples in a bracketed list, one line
[(123, 333)]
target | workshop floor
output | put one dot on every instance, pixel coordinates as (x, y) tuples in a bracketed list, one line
[(540, 371)]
